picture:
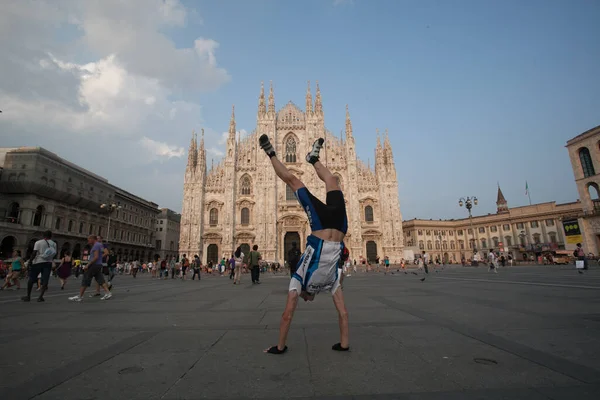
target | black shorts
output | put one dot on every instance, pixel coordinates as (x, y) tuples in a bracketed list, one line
[(324, 216), (92, 272)]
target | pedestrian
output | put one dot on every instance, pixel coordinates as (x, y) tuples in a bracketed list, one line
[(492, 261), (254, 258), (425, 260), (320, 268), (231, 263), (64, 269), (43, 254), (293, 258), (172, 266), (196, 265), (239, 260), (16, 265), (93, 270)]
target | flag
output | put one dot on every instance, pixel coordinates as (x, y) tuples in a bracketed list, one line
[(526, 188)]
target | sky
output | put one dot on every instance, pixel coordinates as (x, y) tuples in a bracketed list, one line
[(473, 93)]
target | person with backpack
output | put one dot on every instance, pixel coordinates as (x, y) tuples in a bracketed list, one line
[(254, 258), (196, 265), (43, 254)]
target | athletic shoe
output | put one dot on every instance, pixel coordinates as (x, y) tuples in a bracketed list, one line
[(95, 295), (313, 156), (266, 145), (106, 296), (76, 298)]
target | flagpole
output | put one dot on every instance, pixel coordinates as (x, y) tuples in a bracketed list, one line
[(527, 191)]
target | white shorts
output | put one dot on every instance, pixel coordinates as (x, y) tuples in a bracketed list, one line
[(319, 268)]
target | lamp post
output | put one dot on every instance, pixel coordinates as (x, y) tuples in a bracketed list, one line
[(110, 208), (468, 203)]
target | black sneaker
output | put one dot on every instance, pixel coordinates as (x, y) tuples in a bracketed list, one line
[(313, 156), (266, 145)]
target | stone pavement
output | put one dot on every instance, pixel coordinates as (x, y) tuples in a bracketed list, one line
[(526, 333)]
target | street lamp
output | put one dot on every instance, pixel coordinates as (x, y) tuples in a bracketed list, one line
[(468, 203), (110, 208)]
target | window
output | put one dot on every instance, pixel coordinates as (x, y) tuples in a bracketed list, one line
[(369, 214), (421, 245), (552, 236), (245, 216), (495, 241), (460, 232), (13, 212), (586, 162), (536, 238), (161, 229), (507, 241), (437, 245), (493, 228), (428, 232), (245, 186), (158, 244), (100, 231), (520, 225), (213, 217), (420, 232), (451, 233), (70, 227), (161, 221), (452, 245), (289, 194), (461, 244), (534, 224), (471, 243), (506, 227), (429, 245), (470, 231), (37, 217), (549, 222), (91, 232), (483, 244), (445, 245), (57, 224), (290, 150), (482, 230), (81, 227)]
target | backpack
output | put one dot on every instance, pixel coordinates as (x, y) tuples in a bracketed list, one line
[(50, 252)]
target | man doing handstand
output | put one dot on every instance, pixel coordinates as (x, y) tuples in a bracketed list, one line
[(320, 267)]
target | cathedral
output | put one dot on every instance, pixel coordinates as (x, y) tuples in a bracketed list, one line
[(241, 202)]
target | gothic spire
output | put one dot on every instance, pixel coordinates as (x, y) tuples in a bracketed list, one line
[(309, 107), (378, 140), (386, 142), (271, 100), (348, 124), (193, 151), (232, 123), (501, 202), (318, 104), (262, 109)]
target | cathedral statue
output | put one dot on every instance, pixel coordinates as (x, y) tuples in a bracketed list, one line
[(240, 202)]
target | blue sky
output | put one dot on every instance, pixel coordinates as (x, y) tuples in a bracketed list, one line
[(473, 92)]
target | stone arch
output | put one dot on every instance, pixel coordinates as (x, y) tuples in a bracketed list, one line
[(587, 165), (213, 217), (245, 185), (77, 251), (7, 246), (12, 214), (593, 191), (290, 148), (38, 215)]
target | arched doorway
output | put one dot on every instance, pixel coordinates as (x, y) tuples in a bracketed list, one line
[(446, 258), (65, 247), (37, 217), (7, 246), (77, 251), (212, 253), (371, 251), (289, 238)]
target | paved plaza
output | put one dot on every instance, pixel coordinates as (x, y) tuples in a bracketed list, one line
[(526, 333)]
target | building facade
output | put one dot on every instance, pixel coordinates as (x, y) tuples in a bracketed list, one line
[(167, 234), (584, 153), (523, 232), (241, 202), (40, 191)]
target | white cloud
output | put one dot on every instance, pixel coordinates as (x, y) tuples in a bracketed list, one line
[(103, 73), (215, 152), (161, 149)]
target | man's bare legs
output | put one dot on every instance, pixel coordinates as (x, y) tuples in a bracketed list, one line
[(326, 176), (340, 306), (285, 175), (286, 320)]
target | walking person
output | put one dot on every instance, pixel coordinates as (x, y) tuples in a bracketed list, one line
[(172, 265), (320, 267), (232, 267), (425, 260), (16, 265), (93, 270), (196, 265), (239, 260), (254, 258), (112, 267), (43, 254), (580, 254), (293, 258), (492, 259), (64, 269)]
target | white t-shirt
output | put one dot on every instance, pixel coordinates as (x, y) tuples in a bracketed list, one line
[(492, 257), (40, 246)]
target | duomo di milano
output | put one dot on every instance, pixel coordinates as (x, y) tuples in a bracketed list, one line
[(240, 201)]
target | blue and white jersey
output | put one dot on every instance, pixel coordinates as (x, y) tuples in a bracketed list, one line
[(319, 268)]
